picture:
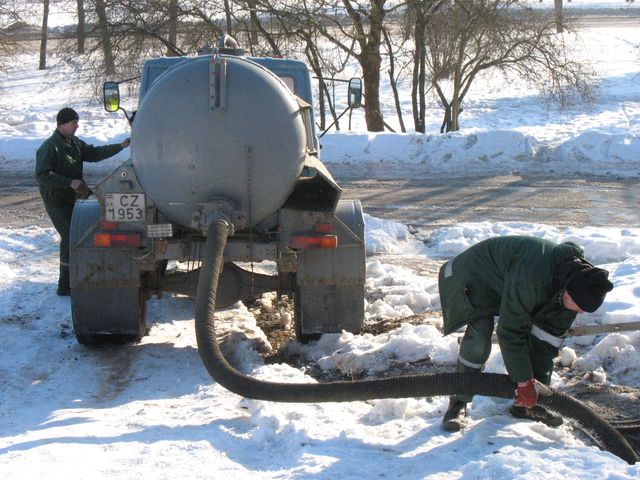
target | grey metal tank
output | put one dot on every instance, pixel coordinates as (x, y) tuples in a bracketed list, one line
[(188, 151)]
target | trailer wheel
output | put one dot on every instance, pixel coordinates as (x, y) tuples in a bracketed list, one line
[(108, 316)]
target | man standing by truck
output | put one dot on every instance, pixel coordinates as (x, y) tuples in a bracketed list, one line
[(535, 288), (59, 165)]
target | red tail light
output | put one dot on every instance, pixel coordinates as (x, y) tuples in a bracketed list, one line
[(323, 228), (104, 225), (117, 239), (304, 242)]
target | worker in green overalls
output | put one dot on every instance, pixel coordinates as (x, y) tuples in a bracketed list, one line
[(59, 162), (535, 289)]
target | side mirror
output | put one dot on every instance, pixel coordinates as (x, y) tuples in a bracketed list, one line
[(111, 96), (354, 98)]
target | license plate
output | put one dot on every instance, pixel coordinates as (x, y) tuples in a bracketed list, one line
[(125, 207)]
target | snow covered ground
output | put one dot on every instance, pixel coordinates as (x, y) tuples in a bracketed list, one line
[(150, 411)]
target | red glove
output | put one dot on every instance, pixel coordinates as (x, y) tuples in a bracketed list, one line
[(526, 394)]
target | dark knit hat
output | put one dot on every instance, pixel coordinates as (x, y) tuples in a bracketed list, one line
[(588, 287), (66, 115)]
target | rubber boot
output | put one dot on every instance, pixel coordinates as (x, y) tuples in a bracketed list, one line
[(537, 414), (453, 419), (63, 281)]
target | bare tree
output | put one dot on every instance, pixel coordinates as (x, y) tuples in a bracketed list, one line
[(124, 32), (228, 17), (173, 28), (255, 19), (393, 75), (81, 30), (355, 27), (103, 27), (471, 37), (367, 30), (44, 35), (198, 23), (272, 28), (420, 13), (557, 6), (315, 59), (10, 16)]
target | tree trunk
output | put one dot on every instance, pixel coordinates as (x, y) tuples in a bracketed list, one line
[(253, 30), (323, 91), (369, 57), (257, 27), (559, 19), (43, 36), (103, 27), (419, 68), (455, 106), (81, 26), (446, 121), (321, 107), (173, 29), (371, 74), (227, 16), (454, 126), (393, 82), (325, 95)]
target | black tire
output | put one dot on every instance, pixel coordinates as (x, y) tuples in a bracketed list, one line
[(96, 327)]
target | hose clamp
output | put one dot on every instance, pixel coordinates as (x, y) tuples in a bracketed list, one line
[(218, 210)]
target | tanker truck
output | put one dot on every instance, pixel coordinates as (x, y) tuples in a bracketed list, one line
[(218, 135)]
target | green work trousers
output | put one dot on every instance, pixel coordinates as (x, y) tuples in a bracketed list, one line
[(61, 218), (475, 348)]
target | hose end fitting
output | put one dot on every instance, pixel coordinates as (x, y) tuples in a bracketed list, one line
[(222, 220)]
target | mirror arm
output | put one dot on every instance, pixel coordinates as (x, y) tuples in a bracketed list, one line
[(127, 116), (127, 79)]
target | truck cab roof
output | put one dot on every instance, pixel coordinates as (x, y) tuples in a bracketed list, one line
[(294, 73)]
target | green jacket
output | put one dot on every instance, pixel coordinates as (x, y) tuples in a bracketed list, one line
[(521, 280), (59, 161)]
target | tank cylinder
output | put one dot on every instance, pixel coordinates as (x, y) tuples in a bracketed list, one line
[(189, 151)]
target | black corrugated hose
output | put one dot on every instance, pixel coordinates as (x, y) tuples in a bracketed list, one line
[(425, 385)]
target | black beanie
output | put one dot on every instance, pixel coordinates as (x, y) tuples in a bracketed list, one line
[(588, 287), (66, 115)]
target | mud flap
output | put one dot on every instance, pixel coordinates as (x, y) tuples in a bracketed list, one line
[(331, 283)]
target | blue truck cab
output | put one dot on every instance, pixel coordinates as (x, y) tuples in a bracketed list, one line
[(294, 73)]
